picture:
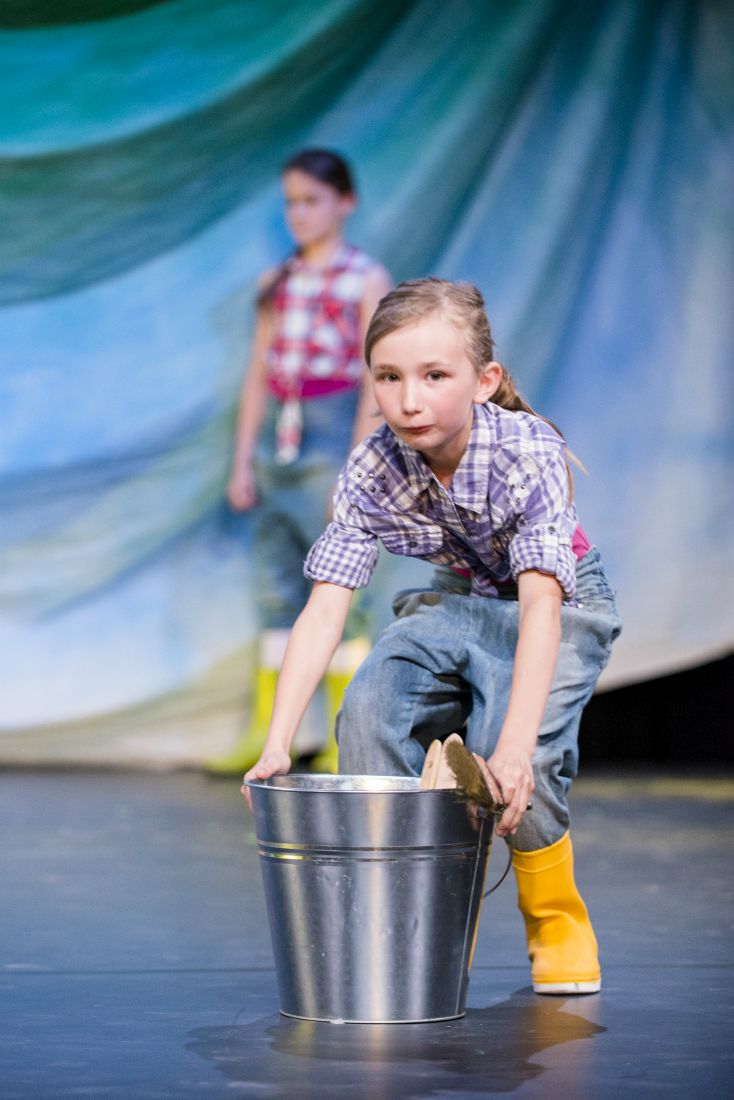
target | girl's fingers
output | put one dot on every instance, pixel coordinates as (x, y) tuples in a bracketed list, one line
[(516, 804)]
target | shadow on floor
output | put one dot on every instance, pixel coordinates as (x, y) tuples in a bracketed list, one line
[(490, 1050)]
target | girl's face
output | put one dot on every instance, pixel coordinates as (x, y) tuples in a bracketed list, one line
[(426, 387), (315, 211)]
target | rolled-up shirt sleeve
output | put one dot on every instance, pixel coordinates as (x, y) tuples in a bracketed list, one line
[(546, 519), (346, 553)]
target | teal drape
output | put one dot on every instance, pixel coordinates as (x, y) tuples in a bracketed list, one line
[(575, 160)]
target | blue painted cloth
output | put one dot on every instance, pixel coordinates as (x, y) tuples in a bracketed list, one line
[(573, 160)]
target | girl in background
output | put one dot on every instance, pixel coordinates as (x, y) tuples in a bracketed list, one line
[(507, 644), (305, 402)]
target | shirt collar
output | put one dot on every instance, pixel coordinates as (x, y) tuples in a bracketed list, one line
[(469, 484), (471, 478), (419, 473), (339, 260)]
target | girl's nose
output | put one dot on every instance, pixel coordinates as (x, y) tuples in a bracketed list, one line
[(410, 397)]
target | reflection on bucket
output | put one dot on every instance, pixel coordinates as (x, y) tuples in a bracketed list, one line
[(373, 887)]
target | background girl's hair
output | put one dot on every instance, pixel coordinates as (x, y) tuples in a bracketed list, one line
[(461, 304), (326, 167)]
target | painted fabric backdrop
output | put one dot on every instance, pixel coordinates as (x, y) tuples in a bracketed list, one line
[(575, 160)]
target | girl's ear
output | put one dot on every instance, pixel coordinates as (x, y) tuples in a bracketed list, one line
[(488, 382), (347, 204)]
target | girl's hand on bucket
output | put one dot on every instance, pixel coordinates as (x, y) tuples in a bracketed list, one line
[(272, 762), (513, 775)]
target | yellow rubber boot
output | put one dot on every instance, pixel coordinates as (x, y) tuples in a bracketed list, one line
[(345, 662), (561, 942), (248, 748)]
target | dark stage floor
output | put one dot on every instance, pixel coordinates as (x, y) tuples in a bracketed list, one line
[(136, 958)]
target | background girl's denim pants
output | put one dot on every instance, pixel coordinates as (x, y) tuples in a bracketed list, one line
[(293, 507)]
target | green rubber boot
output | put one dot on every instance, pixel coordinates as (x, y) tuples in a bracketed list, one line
[(248, 748)]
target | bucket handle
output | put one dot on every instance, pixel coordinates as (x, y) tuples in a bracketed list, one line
[(505, 873), (502, 877)]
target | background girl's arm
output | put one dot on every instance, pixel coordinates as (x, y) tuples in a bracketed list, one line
[(377, 284), (253, 396), (315, 635), (539, 637)]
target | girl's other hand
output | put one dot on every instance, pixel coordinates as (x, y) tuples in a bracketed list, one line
[(272, 762), (241, 491), (512, 772)]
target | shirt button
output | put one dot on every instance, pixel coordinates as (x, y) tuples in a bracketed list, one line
[(552, 530)]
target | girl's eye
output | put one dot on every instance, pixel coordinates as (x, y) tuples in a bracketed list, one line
[(387, 376), (436, 375)]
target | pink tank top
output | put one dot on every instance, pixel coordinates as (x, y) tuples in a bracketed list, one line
[(579, 544)]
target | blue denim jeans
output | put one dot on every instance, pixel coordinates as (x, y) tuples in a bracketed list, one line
[(293, 506), (445, 664)]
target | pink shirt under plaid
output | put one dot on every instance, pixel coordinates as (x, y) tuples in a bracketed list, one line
[(507, 511), (316, 343)]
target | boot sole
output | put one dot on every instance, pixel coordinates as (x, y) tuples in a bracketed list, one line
[(566, 988)]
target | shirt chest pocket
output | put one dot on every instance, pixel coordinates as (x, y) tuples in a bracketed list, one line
[(415, 542), (522, 479)]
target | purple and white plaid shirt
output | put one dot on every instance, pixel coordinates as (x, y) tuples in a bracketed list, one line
[(507, 510)]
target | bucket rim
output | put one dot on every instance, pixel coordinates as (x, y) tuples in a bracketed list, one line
[(338, 784)]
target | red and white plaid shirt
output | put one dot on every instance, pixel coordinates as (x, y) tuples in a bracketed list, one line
[(316, 348)]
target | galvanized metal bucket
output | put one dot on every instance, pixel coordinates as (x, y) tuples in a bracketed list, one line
[(373, 887)]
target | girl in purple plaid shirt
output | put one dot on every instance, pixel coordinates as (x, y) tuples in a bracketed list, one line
[(507, 644), (305, 401)]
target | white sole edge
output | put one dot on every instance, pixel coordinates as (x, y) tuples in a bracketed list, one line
[(565, 988)]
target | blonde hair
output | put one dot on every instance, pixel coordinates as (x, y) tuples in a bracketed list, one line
[(462, 305)]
